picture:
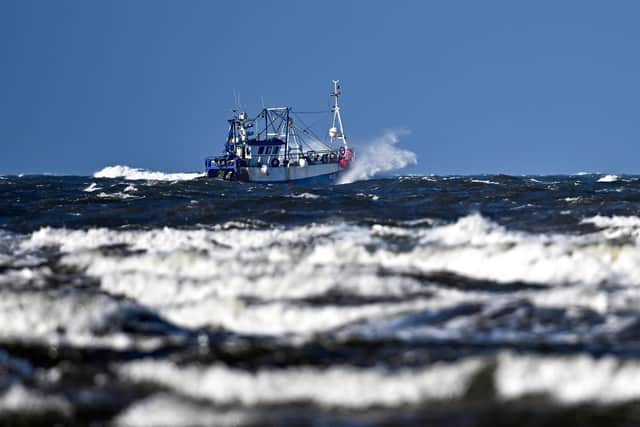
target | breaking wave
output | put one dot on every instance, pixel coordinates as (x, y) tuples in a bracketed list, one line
[(129, 173), (91, 188), (380, 156), (193, 271), (568, 380), (390, 301), (609, 178)]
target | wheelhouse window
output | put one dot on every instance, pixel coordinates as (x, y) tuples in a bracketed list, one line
[(275, 150), (267, 150), (261, 150)]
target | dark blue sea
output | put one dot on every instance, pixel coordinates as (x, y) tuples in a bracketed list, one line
[(134, 298)]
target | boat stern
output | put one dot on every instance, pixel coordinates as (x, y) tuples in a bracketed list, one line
[(221, 167)]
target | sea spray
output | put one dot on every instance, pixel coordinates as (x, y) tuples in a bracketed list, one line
[(381, 155)]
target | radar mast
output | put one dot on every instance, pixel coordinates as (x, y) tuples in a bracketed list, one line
[(336, 132)]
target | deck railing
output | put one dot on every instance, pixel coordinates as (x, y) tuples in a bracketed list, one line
[(310, 156)]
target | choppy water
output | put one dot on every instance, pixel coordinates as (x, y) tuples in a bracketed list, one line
[(467, 301)]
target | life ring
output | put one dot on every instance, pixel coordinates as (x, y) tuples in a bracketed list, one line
[(275, 162), (342, 151), (324, 158), (333, 156)]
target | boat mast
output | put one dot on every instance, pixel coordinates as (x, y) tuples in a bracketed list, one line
[(336, 133), (286, 137)]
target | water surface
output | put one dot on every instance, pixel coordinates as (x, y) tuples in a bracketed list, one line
[(169, 299)]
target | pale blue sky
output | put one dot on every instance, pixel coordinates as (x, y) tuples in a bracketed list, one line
[(485, 87)]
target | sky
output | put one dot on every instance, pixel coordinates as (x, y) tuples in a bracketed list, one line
[(511, 87)]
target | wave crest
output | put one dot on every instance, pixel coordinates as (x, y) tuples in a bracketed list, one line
[(130, 173), (380, 156)]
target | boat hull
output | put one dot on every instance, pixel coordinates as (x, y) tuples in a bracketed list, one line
[(309, 174)]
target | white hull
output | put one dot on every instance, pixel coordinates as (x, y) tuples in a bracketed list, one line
[(293, 173)]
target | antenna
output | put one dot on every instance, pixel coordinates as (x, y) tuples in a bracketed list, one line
[(262, 100), (236, 99)]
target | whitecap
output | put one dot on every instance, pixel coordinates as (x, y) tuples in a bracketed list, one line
[(130, 173), (117, 196), (484, 181), (614, 221), (609, 178), (200, 277), (92, 187), (191, 273), (18, 398), (340, 387), (573, 379), (79, 319), (569, 380), (303, 196), (373, 197), (167, 410)]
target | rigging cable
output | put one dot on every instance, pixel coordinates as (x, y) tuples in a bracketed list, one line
[(307, 129)]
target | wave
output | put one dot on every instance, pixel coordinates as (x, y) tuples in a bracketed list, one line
[(483, 181), (609, 178), (219, 394), (183, 274), (19, 398), (373, 197), (367, 293), (332, 387), (118, 196), (91, 188), (505, 377), (81, 319), (168, 410), (303, 196), (130, 173), (379, 156), (615, 222)]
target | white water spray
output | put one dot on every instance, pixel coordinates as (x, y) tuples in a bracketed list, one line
[(381, 155)]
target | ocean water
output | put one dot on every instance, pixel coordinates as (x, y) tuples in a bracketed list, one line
[(137, 298)]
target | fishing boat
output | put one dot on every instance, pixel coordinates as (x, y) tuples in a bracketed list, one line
[(272, 147)]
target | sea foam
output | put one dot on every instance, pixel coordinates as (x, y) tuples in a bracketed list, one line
[(130, 173), (570, 379), (201, 277), (609, 178)]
